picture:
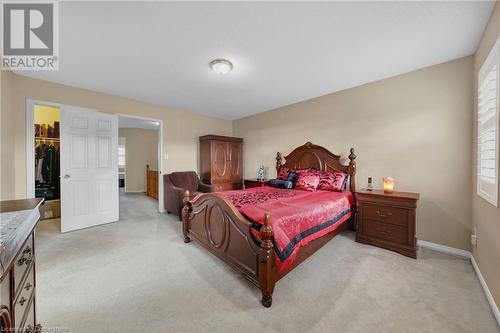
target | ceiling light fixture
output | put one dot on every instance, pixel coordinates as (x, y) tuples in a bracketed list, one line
[(221, 66)]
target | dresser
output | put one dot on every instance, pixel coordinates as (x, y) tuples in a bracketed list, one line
[(152, 183), (221, 162), (18, 219), (388, 220)]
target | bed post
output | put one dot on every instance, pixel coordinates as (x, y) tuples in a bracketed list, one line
[(352, 170), (352, 184), (278, 162), (266, 257), (185, 216)]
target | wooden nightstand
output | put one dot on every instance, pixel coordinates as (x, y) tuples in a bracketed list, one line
[(387, 220), (254, 182)]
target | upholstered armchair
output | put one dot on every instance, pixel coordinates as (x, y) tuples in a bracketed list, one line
[(176, 184)]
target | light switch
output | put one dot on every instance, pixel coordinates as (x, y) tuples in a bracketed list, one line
[(166, 156)]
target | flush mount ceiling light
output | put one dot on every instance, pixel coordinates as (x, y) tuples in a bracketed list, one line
[(221, 66)]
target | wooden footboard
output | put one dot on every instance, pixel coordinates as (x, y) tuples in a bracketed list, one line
[(218, 226)]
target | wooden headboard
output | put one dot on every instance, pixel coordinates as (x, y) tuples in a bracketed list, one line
[(311, 155)]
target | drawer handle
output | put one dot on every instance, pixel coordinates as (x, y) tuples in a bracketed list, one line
[(384, 232), (26, 257), (22, 301), (28, 286), (389, 214)]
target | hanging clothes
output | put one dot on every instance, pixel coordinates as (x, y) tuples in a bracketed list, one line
[(47, 182)]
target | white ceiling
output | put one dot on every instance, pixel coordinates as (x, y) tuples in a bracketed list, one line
[(283, 52), (129, 122)]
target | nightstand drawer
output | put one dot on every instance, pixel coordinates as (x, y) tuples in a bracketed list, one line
[(386, 214), (385, 231)]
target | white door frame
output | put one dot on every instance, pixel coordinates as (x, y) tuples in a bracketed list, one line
[(30, 147), (161, 207)]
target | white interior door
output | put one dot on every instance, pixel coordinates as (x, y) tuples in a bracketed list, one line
[(89, 168)]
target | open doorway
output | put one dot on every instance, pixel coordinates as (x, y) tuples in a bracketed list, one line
[(47, 184), (139, 163)]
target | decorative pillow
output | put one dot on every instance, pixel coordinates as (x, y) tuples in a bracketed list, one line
[(292, 177), (307, 182), (326, 180), (329, 181), (283, 174), (280, 183)]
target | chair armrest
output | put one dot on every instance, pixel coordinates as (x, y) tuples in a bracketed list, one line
[(179, 191), (205, 188)]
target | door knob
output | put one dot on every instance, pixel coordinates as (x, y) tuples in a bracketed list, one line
[(66, 176)]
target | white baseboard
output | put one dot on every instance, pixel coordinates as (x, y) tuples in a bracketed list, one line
[(444, 249), (467, 255), (135, 191), (487, 292)]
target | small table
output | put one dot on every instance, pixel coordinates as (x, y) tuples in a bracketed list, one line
[(254, 182), (387, 220)]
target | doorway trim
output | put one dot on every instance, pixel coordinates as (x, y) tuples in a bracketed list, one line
[(30, 147), (161, 207)]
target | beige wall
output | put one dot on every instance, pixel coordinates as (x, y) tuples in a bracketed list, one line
[(180, 135), (414, 127), (141, 146), (6, 132), (486, 217)]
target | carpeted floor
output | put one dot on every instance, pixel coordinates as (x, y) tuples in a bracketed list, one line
[(137, 275)]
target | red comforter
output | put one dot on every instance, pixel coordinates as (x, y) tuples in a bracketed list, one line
[(297, 217)]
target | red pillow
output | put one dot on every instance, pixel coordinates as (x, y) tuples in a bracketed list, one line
[(283, 174), (331, 181), (307, 182)]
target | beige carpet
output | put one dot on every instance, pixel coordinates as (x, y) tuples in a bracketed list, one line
[(137, 275)]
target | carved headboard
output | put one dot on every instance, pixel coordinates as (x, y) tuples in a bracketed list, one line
[(311, 155)]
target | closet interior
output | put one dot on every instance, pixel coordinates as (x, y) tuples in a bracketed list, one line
[(47, 159)]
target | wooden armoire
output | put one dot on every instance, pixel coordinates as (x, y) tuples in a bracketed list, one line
[(221, 162)]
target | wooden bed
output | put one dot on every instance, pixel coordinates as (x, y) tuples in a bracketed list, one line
[(217, 225)]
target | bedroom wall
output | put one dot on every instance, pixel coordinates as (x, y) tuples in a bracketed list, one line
[(180, 136), (414, 127), (486, 217), (6, 167), (141, 148)]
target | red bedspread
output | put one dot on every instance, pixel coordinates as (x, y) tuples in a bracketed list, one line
[(297, 217)]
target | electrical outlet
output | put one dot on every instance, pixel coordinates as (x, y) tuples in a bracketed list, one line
[(473, 239)]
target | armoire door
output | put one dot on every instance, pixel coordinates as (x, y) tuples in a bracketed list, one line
[(220, 158), (89, 168), (235, 160)]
